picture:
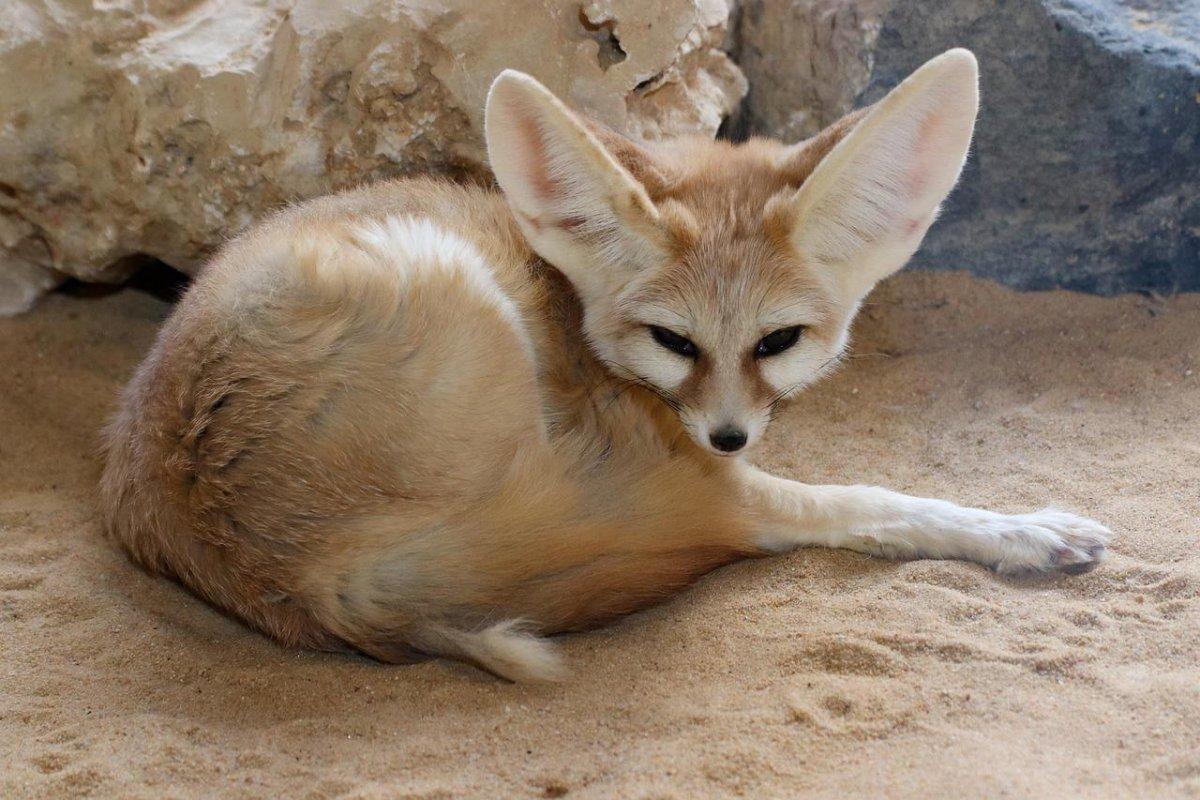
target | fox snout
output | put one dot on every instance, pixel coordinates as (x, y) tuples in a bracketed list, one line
[(721, 440), (724, 432), (728, 439)]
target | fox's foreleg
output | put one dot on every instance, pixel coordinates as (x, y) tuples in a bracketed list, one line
[(786, 514)]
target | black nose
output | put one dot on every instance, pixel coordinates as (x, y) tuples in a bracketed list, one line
[(728, 439)]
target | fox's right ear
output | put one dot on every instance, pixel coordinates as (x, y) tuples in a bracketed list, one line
[(579, 208), (863, 211)]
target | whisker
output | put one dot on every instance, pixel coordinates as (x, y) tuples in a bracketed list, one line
[(782, 394), (623, 387), (779, 396), (669, 398)]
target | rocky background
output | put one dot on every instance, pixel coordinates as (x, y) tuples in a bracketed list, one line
[(133, 130), (1086, 165)]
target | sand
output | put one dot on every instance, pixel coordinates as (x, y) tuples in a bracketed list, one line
[(818, 673)]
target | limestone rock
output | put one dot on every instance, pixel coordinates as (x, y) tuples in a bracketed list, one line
[(161, 127)]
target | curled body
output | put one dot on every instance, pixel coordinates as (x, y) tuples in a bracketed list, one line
[(426, 419), (373, 423)]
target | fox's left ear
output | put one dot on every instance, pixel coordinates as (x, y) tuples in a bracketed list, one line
[(579, 206), (865, 208)]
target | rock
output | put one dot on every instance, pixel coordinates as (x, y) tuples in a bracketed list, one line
[(809, 61), (22, 283), (1087, 152), (160, 127), (22, 252)]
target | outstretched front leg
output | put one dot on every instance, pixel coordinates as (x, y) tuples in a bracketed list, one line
[(787, 514)]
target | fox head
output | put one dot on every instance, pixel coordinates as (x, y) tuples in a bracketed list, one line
[(724, 277)]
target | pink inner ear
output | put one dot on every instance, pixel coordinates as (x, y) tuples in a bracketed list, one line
[(925, 152), (935, 147), (534, 155)]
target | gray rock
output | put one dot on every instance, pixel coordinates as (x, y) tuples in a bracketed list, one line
[(1086, 167)]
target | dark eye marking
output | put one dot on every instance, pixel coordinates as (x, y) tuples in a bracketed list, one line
[(776, 342), (674, 342)]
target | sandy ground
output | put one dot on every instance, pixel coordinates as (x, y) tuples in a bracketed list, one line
[(819, 673)]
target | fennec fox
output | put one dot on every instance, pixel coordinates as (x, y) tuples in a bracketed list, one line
[(422, 419)]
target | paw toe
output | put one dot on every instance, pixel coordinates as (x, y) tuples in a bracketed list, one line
[(1074, 565), (1081, 550), (1061, 542)]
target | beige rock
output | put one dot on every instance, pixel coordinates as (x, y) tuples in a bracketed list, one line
[(160, 127), (806, 61)]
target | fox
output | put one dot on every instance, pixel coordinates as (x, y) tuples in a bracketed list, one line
[(423, 419)]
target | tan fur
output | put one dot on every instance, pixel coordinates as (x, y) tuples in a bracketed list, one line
[(347, 442)]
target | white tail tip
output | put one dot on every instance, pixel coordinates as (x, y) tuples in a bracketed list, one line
[(511, 652)]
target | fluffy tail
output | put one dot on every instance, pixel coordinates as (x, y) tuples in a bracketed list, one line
[(506, 649)]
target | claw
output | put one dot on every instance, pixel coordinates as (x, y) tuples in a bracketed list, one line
[(1079, 569), (1068, 561)]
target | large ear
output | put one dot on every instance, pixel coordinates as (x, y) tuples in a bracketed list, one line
[(580, 209), (865, 208)]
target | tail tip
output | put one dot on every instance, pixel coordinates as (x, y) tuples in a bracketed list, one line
[(519, 655)]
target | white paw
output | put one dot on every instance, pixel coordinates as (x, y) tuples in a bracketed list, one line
[(1050, 540)]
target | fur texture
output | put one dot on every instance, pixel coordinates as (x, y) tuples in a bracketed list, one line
[(423, 419)]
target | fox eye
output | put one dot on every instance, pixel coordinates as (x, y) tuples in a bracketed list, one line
[(778, 341), (674, 342)]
